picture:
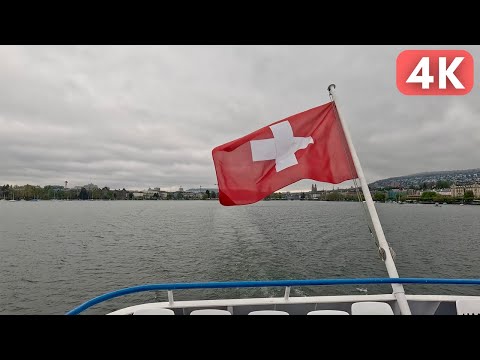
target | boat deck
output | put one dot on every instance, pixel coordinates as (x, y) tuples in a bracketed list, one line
[(417, 304)]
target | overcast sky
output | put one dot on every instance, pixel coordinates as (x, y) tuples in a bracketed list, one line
[(149, 116)]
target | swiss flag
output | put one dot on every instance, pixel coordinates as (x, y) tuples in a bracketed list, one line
[(308, 145)]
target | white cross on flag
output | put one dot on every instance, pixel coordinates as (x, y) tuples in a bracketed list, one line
[(281, 148), (308, 145)]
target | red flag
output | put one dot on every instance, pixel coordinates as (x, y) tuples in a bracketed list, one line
[(308, 145)]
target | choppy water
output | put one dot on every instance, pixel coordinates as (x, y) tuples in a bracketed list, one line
[(56, 255)]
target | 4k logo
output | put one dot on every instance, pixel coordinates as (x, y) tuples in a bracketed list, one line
[(435, 72)]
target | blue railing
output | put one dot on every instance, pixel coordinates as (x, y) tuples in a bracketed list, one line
[(271, 283)]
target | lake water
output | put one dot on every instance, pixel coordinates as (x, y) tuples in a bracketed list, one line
[(55, 255)]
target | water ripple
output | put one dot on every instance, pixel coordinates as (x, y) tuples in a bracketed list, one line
[(58, 255)]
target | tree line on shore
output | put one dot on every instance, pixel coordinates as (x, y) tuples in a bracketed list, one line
[(31, 192), (427, 196)]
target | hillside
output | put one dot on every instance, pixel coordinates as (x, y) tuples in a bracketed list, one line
[(455, 176)]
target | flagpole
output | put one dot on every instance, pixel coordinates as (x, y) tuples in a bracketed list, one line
[(398, 290)]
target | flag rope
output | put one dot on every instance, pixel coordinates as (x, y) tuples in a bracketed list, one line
[(357, 190)]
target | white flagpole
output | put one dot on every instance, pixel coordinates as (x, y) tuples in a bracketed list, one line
[(398, 290)]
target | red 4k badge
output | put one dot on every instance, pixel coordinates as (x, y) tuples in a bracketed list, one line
[(435, 72)]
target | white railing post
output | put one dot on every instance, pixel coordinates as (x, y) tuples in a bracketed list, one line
[(170, 297)]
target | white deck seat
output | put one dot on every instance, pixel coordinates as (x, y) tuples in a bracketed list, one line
[(268, 312), (371, 308), (159, 311), (328, 312), (468, 307), (210, 312)]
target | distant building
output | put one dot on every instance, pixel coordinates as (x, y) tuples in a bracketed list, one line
[(120, 194), (413, 197), (202, 190), (54, 187), (150, 193), (458, 191), (316, 196), (162, 195), (188, 195), (475, 188), (137, 195), (394, 194), (444, 192), (90, 187)]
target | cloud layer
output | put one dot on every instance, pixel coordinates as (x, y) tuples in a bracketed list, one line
[(149, 116)]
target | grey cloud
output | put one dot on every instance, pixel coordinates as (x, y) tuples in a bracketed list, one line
[(140, 116)]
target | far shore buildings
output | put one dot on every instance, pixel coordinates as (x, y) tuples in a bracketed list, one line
[(150, 194), (180, 194), (455, 191), (458, 191)]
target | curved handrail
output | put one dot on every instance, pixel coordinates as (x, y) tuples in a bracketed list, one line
[(270, 283)]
